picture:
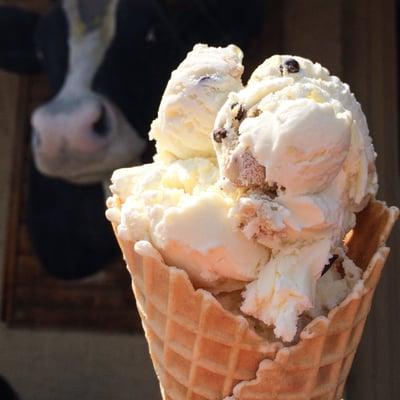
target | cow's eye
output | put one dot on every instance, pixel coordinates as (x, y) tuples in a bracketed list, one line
[(40, 55), (151, 36)]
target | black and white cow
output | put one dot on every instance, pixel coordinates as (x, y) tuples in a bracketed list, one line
[(107, 63)]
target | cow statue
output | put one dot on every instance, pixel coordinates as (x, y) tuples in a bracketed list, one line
[(107, 63)]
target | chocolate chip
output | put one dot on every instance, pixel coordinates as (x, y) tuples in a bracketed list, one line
[(219, 134), (271, 190), (241, 113), (326, 269), (204, 78), (328, 266), (291, 66)]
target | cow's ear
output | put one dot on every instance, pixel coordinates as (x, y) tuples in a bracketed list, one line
[(17, 48)]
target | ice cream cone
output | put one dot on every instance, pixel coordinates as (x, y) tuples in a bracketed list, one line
[(202, 351)]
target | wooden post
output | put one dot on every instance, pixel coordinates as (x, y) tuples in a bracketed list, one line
[(12, 120)]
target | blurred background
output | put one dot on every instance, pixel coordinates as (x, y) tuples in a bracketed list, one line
[(69, 327)]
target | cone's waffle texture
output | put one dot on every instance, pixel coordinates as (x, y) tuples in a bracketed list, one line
[(201, 351)]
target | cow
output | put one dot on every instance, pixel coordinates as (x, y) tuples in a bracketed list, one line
[(107, 63)]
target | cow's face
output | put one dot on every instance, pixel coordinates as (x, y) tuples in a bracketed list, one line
[(101, 61), (80, 135)]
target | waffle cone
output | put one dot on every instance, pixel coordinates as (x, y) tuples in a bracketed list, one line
[(201, 351)]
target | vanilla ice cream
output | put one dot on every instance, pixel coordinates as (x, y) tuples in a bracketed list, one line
[(293, 129), (196, 91), (180, 209), (296, 141), (334, 285), (253, 188)]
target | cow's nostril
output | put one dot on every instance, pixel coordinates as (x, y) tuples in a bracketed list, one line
[(101, 126)]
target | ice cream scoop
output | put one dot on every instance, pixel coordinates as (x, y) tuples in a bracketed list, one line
[(175, 202), (196, 91), (294, 128), (179, 208), (295, 141)]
